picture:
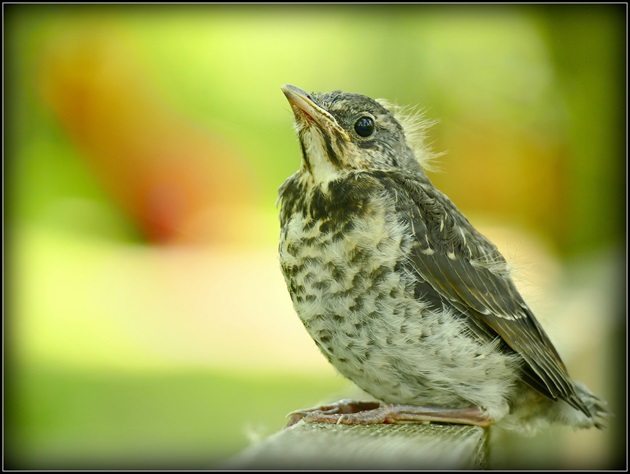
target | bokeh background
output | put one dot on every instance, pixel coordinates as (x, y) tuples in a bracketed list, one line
[(147, 324)]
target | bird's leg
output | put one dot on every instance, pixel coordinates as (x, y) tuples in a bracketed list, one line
[(367, 413)]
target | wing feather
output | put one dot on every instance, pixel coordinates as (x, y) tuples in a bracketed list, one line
[(468, 271)]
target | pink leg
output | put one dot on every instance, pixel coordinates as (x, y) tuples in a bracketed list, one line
[(349, 412)]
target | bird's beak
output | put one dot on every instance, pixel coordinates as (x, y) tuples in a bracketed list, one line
[(301, 102), (304, 107)]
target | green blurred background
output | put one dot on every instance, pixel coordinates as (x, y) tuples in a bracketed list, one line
[(147, 323)]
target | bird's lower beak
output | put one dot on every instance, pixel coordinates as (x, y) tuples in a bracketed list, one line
[(304, 107)]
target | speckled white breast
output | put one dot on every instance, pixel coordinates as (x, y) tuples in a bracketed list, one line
[(356, 300)]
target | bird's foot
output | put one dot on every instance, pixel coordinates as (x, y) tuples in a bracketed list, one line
[(349, 412), (336, 409)]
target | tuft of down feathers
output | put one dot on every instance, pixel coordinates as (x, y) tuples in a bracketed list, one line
[(416, 125)]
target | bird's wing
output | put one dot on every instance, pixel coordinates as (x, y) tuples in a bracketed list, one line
[(466, 269)]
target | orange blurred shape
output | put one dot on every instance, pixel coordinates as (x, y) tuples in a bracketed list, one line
[(516, 173), (177, 181)]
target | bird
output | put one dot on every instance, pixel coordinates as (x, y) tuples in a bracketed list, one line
[(401, 294)]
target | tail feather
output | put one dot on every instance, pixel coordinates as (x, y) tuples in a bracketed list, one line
[(597, 407), (531, 411)]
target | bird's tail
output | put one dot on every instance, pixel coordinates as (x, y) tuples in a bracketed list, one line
[(597, 407), (532, 411)]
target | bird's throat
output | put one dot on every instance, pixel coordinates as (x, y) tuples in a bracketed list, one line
[(319, 156)]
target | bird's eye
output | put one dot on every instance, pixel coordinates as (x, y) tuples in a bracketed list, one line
[(364, 126)]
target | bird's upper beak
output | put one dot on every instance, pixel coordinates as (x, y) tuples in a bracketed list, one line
[(304, 107), (300, 99)]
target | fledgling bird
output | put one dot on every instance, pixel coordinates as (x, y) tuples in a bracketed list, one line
[(400, 292)]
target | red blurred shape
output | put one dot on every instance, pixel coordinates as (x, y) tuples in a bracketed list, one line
[(177, 181)]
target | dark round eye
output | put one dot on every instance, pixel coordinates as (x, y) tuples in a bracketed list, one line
[(364, 126)]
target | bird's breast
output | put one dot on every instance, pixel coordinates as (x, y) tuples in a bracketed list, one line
[(347, 270), (343, 268)]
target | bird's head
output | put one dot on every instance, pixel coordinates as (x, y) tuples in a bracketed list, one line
[(340, 132)]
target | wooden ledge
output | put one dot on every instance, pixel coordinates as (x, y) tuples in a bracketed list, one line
[(402, 446)]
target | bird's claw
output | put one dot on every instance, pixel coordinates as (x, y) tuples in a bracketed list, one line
[(332, 413)]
